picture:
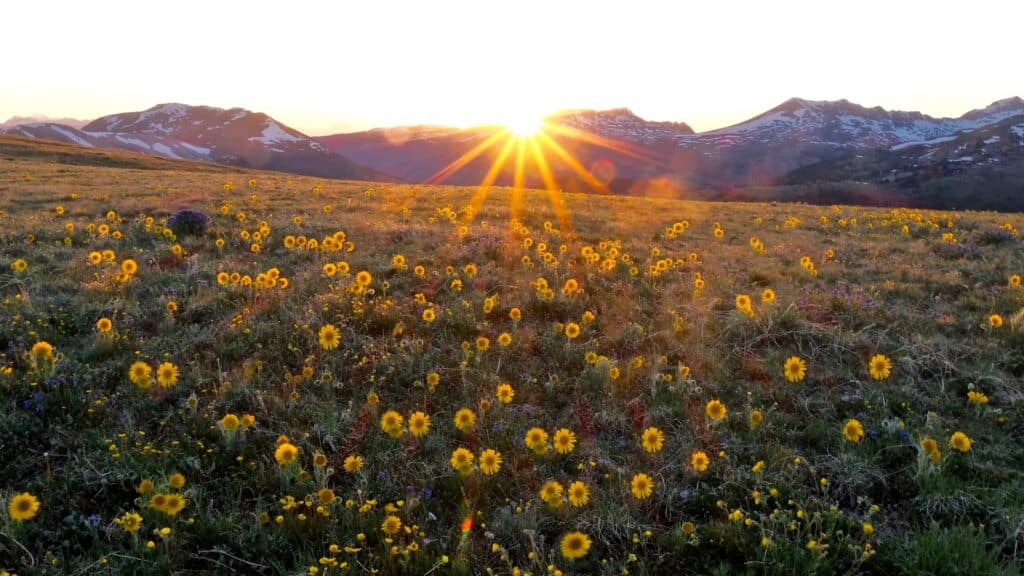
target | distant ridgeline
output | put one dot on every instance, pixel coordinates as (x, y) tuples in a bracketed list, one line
[(809, 151)]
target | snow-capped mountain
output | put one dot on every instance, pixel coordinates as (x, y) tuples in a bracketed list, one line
[(235, 137), (794, 134), (621, 124), (622, 150), (144, 143), (842, 123), (981, 169), (206, 127)]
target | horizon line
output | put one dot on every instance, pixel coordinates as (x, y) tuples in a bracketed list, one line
[(557, 112)]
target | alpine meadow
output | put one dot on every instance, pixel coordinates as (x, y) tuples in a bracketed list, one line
[(336, 377), (532, 288)]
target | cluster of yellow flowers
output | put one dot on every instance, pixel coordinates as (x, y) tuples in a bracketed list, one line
[(141, 374), (676, 229), (332, 243), (808, 265)]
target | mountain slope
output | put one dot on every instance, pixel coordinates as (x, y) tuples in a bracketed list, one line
[(15, 148), (144, 143), (631, 151), (843, 123), (981, 169), (235, 137), (606, 151)]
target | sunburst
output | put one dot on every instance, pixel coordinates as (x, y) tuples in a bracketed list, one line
[(525, 127), (525, 144)]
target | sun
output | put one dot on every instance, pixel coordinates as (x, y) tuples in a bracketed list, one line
[(526, 144), (525, 127)]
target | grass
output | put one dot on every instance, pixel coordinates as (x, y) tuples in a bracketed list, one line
[(789, 495)]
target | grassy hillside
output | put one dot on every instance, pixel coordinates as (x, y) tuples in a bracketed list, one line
[(252, 398), (17, 149)]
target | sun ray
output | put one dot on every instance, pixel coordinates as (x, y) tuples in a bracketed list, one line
[(492, 174), (630, 150), (530, 139), (554, 193), (589, 178), (467, 157), (517, 180)]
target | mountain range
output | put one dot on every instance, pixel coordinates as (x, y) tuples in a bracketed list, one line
[(235, 137), (905, 157), (37, 118)]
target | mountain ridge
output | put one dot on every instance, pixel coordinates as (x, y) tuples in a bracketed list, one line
[(615, 149), (233, 136)]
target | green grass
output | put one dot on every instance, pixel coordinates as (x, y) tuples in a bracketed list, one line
[(82, 436)]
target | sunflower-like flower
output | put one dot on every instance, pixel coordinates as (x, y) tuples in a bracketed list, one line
[(391, 423), (716, 410), (353, 463), (329, 337), (129, 522), (578, 494), (551, 493), (104, 325), (462, 461), (537, 440), (490, 461), (880, 367), (652, 439), (853, 430), (575, 545), (167, 375), (795, 369), (960, 441), (141, 374), (572, 330), (286, 453), (465, 420), (564, 440), (699, 460), (419, 424), (391, 525), (505, 393), (642, 486), (22, 507)]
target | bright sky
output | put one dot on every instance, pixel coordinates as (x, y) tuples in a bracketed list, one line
[(334, 66)]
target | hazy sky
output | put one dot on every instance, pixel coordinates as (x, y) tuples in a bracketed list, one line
[(333, 66)]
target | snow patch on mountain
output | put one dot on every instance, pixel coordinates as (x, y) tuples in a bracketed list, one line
[(196, 149), (67, 133), (165, 150), (131, 141), (621, 124), (938, 140), (842, 123), (273, 134)]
